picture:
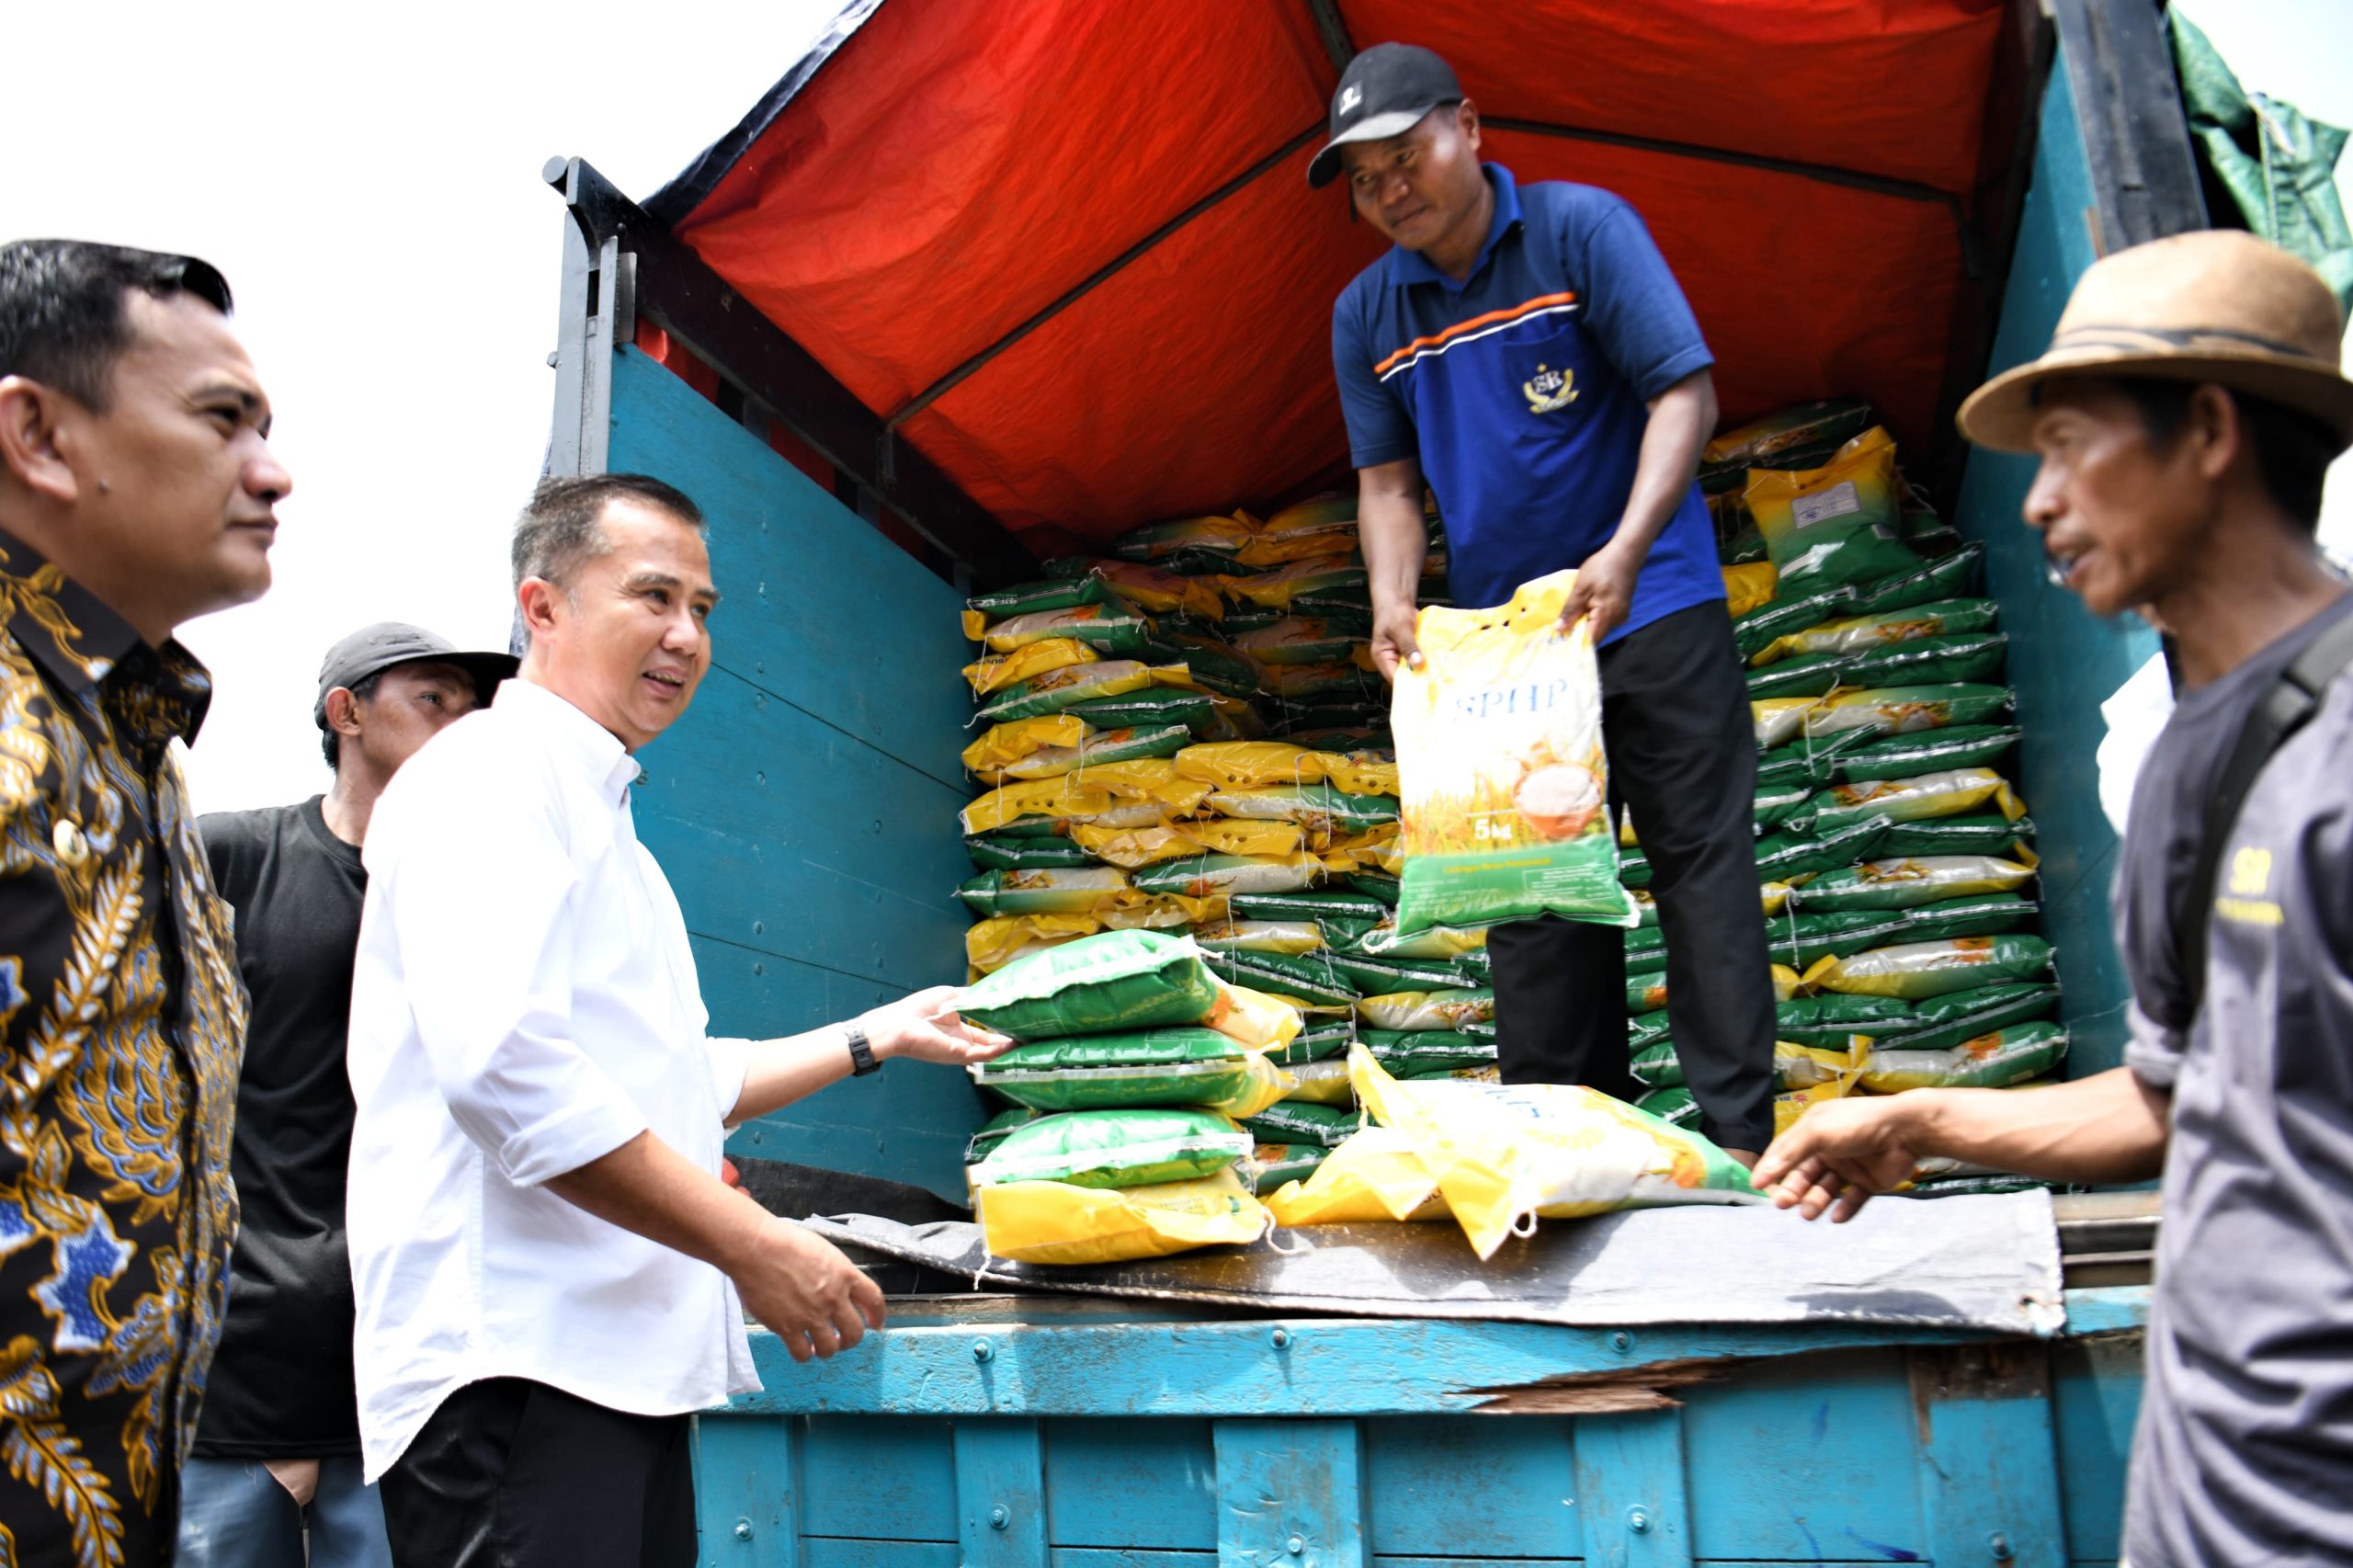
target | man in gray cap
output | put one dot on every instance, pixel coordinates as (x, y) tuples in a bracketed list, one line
[(278, 1447)]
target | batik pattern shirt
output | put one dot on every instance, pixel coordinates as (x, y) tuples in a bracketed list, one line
[(121, 1022)]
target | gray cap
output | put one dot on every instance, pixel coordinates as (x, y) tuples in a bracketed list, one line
[(374, 649), (1384, 92)]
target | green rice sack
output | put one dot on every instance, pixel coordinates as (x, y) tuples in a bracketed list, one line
[(1811, 762), (1307, 979), (1111, 745), (1407, 1052), (1974, 657), (1217, 876), (1798, 940), (1831, 422), (1330, 908), (1273, 1164), (1831, 1018), (1916, 970), (1776, 803), (1977, 914), (1940, 1023), (1298, 640), (1895, 710), (1240, 618), (1836, 523), (1947, 577), (1029, 599), (1930, 751), (1158, 542), (1377, 974), (992, 1131), (1053, 890), (1675, 1106), (1644, 993), (1806, 675), (1634, 871), (1143, 1067), (1112, 982), (1304, 1121), (1656, 1066), (1855, 634), (1020, 852), (1782, 856), (1911, 882), (1974, 1186), (1211, 664), (1153, 708), (1319, 1040), (1949, 793), (1763, 627), (1379, 885), (1979, 833), (1115, 1148), (1113, 627), (1260, 937), (1406, 1010), (1993, 1061), (1435, 942), (1058, 690), (1477, 1029), (1318, 807)]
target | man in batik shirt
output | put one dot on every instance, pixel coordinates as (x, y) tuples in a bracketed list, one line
[(136, 492)]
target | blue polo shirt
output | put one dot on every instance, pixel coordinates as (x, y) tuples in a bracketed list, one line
[(1523, 391)]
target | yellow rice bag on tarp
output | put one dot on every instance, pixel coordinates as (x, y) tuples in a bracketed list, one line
[(993, 672), (1004, 745), (1238, 836), (1750, 587), (1500, 755), (1504, 1153), (1052, 1222), (994, 943), (1129, 847), (1373, 1176), (1249, 764)]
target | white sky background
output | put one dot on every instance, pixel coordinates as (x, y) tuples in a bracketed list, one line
[(368, 177)]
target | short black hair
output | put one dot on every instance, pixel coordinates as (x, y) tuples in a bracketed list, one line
[(2293, 450), (331, 744), (559, 529), (62, 316)]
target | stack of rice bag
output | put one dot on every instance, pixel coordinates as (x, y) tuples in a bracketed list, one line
[(1894, 859)]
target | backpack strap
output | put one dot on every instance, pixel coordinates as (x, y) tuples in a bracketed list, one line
[(2284, 709)]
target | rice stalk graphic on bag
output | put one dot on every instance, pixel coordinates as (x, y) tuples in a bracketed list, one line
[(1503, 777)]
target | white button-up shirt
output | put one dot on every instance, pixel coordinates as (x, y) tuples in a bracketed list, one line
[(524, 1002)]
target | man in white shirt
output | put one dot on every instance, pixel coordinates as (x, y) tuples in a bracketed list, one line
[(550, 1272)]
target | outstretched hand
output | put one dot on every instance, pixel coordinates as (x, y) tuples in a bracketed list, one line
[(925, 1025), (1393, 642), (1840, 1154), (1603, 592)]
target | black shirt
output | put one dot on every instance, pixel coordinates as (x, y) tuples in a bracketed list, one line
[(282, 1381)]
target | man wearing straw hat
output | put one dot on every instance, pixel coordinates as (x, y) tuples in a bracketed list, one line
[(2184, 416)]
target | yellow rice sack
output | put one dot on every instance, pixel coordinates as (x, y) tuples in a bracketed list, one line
[(1249, 764), (1373, 1176), (1750, 587), (994, 943), (1052, 1222), (993, 672)]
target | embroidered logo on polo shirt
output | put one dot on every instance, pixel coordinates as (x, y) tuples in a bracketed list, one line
[(1549, 388), (2250, 878)]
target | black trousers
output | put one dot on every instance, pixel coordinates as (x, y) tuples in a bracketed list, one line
[(1682, 751), (509, 1473)]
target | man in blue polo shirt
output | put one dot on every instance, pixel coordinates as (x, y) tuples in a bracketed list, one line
[(1526, 353)]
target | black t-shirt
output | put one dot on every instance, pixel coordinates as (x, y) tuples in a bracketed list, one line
[(281, 1385)]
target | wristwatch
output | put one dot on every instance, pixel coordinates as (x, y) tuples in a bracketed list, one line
[(861, 1055)]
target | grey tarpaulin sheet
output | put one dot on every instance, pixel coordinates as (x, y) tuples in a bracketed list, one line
[(1988, 1262)]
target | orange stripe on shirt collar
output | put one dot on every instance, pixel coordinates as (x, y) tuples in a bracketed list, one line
[(1542, 302)]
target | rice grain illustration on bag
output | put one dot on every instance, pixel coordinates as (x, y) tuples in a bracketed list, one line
[(1501, 769)]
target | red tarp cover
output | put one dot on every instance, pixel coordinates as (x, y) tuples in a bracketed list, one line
[(961, 165)]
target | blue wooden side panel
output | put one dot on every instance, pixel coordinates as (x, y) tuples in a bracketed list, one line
[(2063, 661), (2094, 1400), (803, 807)]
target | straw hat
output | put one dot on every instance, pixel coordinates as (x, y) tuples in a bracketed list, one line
[(2217, 305)]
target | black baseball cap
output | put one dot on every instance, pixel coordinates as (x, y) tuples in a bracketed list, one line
[(374, 649), (1383, 93)]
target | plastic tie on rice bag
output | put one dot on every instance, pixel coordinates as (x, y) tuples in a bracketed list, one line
[(1500, 755), (1505, 1155)]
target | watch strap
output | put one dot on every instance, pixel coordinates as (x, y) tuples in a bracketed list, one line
[(861, 1054)]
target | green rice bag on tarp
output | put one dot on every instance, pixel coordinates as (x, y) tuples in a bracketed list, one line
[(1994, 1060), (1798, 940), (992, 1131), (1946, 795), (1216, 876), (1940, 1023), (1675, 1106), (1029, 599), (1334, 909), (1407, 1052), (1947, 577), (1020, 852), (1911, 881), (1143, 1067), (1812, 763), (1307, 979), (1831, 1019), (1776, 803), (1377, 974), (1980, 833), (1916, 970), (1761, 627), (1644, 1029), (1858, 633), (1298, 640), (1930, 751), (1304, 1121), (1273, 1164), (1972, 656), (1110, 746), (1782, 856), (1322, 1039), (1153, 708), (1115, 981), (1318, 807), (1115, 1148), (1656, 1066), (1082, 890), (1113, 627), (1444, 1010), (1902, 709), (1836, 523), (1807, 674)]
